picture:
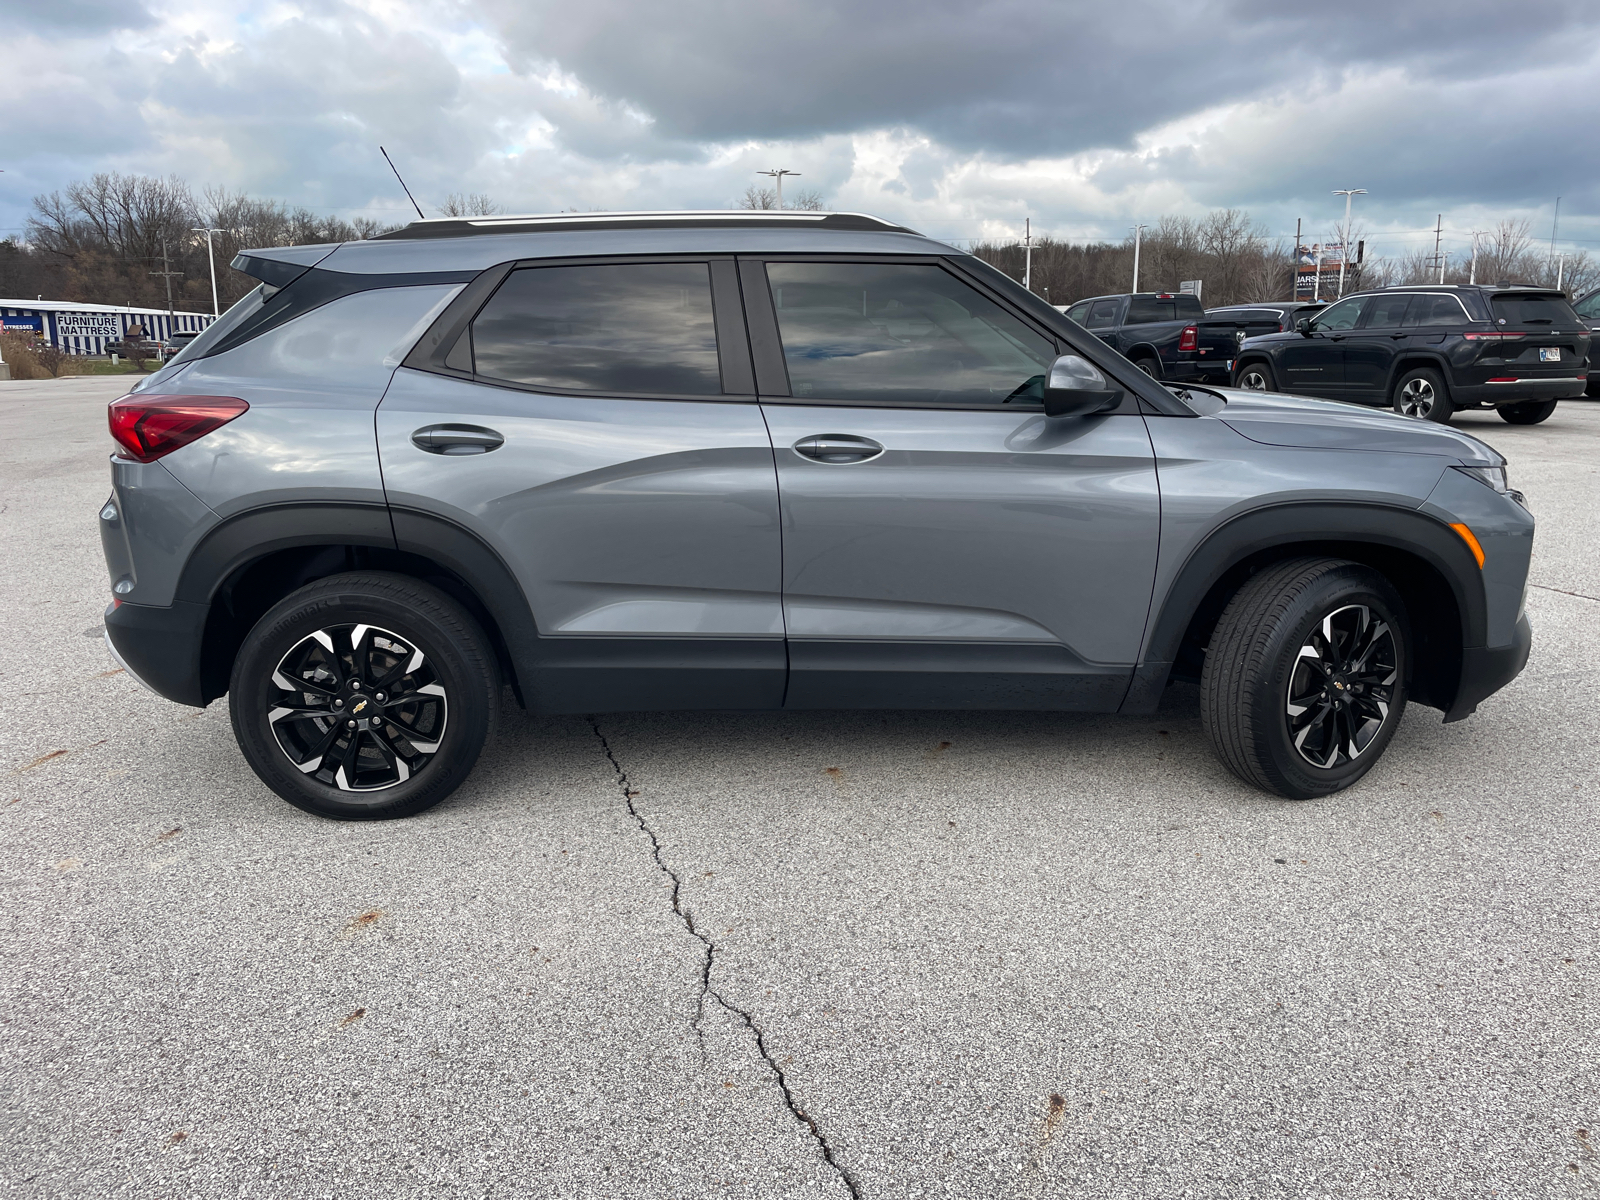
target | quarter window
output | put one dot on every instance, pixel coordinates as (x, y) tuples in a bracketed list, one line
[(901, 333), (642, 328)]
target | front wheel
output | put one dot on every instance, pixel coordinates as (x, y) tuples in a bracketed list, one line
[(363, 696), (1255, 377), (1305, 679), (1421, 393), (1529, 412)]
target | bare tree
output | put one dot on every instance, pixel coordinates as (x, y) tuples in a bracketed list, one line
[(758, 198), (475, 205)]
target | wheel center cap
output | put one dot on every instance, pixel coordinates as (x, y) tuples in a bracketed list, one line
[(362, 707)]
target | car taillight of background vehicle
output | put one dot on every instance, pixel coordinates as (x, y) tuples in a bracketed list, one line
[(1493, 337), (147, 427), (1190, 338)]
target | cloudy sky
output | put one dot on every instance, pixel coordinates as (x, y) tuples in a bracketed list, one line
[(958, 118)]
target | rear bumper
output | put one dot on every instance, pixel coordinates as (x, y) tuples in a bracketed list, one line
[(1485, 670), (160, 647), (1523, 389)]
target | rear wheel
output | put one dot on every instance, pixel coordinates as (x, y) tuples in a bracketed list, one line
[(1529, 412), (1255, 377), (363, 696), (1305, 679), (1149, 366), (1421, 393)]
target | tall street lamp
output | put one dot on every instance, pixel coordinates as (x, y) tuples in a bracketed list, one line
[(212, 259), (1344, 258), (778, 174)]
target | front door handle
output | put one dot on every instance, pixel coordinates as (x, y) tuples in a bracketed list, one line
[(456, 439), (838, 448), (1398, 336)]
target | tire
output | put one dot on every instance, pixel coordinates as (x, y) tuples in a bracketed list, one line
[(1255, 377), (1529, 412), (1421, 393), (423, 662), (1148, 365), (1269, 647)]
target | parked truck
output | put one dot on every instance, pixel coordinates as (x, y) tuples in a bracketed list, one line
[(1166, 335)]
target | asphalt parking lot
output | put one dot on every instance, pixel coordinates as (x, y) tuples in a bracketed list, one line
[(885, 954)]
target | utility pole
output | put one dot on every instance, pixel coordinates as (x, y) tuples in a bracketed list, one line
[(168, 273), (1027, 261), (1438, 235), (777, 175), (1555, 222), (1138, 234), (211, 259), (1349, 194)]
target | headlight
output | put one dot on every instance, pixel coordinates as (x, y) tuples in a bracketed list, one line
[(1496, 478)]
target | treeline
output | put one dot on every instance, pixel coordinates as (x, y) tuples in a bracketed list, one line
[(1228, 252), (109, 239)]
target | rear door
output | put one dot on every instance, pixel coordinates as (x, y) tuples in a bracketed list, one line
[(595, 424), (1313, 364), (944, 543), (1370, 349)]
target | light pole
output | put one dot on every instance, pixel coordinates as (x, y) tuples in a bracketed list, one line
[(1138, 233), (1349, 194), (1027, 262), (777, 175), (211, 259)]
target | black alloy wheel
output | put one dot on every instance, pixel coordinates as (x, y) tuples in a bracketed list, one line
[(1304, 681), (1341, 687), (364, 696)]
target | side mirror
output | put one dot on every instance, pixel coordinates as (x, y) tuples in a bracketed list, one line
[(1304, 326), (1075, 387)]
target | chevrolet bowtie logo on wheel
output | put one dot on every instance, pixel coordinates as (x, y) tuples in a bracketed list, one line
[(359, 707)]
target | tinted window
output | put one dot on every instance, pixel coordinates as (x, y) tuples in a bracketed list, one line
[(1078, 313), (1588, 307), (1533, 310), (1103, 315), (640, 327), (908, 333), (1342, 315), (1387, 311), (1189, 306), (1144, 311), (1435, 310)]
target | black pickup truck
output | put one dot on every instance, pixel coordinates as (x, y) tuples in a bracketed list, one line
[(1167, 336)]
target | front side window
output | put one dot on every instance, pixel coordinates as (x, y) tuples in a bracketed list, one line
[(1588, 307), (1078, 313), (901, 333), (1435, 310), (643, 328), (1342, 315)]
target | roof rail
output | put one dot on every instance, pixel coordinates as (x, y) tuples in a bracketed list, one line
[(441, 227)]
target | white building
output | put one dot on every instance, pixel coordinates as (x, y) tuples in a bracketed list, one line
[(86, 328)]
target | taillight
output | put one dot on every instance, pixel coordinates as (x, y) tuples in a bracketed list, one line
[(1190, 338), (1493, 337), (147, 427)]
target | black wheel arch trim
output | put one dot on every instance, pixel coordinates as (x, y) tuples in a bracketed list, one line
[(1317, 526)]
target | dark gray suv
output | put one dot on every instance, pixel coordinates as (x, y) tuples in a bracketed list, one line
[(761, 461)]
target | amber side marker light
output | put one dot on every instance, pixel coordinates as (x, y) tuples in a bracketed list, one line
[(1472, 543)]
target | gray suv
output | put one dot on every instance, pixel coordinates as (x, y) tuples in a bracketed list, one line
[(760, 461)]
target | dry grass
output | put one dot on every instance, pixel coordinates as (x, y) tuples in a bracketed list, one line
[(30, 360)]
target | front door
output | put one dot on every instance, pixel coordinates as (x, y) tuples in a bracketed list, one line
[(1370, 349), (945, 544), (629, 484), (1313, 364)]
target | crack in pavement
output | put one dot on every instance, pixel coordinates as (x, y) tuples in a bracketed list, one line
[(707, 989), (1544, 587)]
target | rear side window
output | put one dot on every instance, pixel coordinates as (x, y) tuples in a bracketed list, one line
[(1532, 310), (1388, 311), (1435, 310), (901, 333), (629, 328), (1103, 315), (1146, 311)]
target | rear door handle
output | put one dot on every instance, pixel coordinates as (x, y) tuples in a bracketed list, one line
[(838, 448), (456, 439)]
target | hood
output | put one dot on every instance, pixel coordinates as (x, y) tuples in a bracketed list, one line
[(1277, 420)]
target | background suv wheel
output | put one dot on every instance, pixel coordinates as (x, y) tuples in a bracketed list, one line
[(1256, 377), (1529, 412), (1421, 393), (1305, 679), (363, 696)]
